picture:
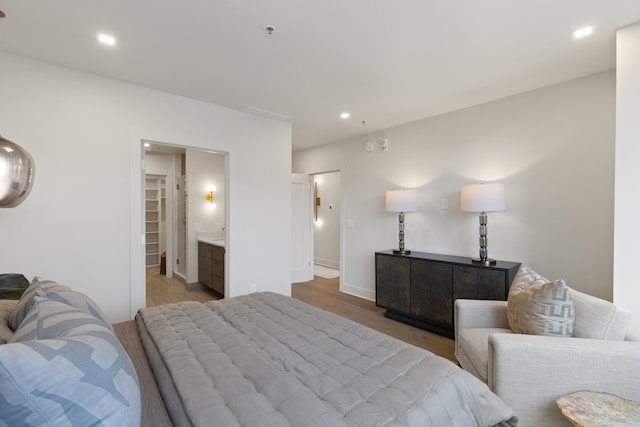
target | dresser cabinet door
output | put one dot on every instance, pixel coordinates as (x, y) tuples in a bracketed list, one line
[(478, 283), (431, 292), (492, 284), (393, 282), (465, 282)]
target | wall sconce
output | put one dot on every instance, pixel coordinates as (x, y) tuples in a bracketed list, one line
[(210, 197), (483, 198), (316, 203)]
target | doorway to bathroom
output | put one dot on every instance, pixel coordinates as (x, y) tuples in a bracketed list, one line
[(192, 201)]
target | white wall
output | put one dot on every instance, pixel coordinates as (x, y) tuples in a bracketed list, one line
[(82, 223), (552, 147), (626, 289), (203, 169), (326, 232)]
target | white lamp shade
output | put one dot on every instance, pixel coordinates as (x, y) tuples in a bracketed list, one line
[(401, 201), (482, 198)]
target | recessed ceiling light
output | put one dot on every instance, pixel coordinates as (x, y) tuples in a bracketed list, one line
[(106, 39), (582, 32), (345, 115)]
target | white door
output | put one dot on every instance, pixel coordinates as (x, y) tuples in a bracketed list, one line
[(301, 223)]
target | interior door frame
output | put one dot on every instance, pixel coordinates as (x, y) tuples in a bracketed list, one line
[(341, 219), (137, 247), (342, 243), (305, 223)]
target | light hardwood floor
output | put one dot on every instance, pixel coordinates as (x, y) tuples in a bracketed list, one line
[(321, 293), (325, 294), (161, 290)]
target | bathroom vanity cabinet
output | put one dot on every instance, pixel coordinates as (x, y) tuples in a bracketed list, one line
[(211, 266)]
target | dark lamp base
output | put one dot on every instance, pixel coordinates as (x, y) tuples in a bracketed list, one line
[(488, 261), (399, 252)]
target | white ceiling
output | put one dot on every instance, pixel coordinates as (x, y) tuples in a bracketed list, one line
[(387, 62)]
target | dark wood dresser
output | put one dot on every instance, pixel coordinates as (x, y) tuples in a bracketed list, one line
[(420, 288)]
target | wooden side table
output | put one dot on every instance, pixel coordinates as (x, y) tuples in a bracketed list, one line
[(597, 409)]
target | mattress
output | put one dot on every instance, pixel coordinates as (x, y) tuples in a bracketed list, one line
[(268, 360)]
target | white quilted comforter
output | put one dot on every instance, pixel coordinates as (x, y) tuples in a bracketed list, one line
[(268, 360)]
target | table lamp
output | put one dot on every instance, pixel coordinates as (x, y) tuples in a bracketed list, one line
[(401, 201), (483, 198)]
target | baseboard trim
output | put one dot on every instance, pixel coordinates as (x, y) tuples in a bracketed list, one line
[(327, 263), (358, 292)]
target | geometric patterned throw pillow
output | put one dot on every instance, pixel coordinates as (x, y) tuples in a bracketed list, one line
[(75, 299), (65, 367), (542, 308), (20, 311), (526, 275), (55, 291)]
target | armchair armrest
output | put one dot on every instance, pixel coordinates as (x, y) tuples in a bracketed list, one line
[(531, 372), (471, 313)]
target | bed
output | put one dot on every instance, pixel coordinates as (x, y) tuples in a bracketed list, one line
[(268, 360)]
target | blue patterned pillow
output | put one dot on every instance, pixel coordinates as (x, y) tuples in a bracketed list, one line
[(55, 291), (65, 367)]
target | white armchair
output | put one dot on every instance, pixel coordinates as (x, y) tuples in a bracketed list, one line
[(530, 372)]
